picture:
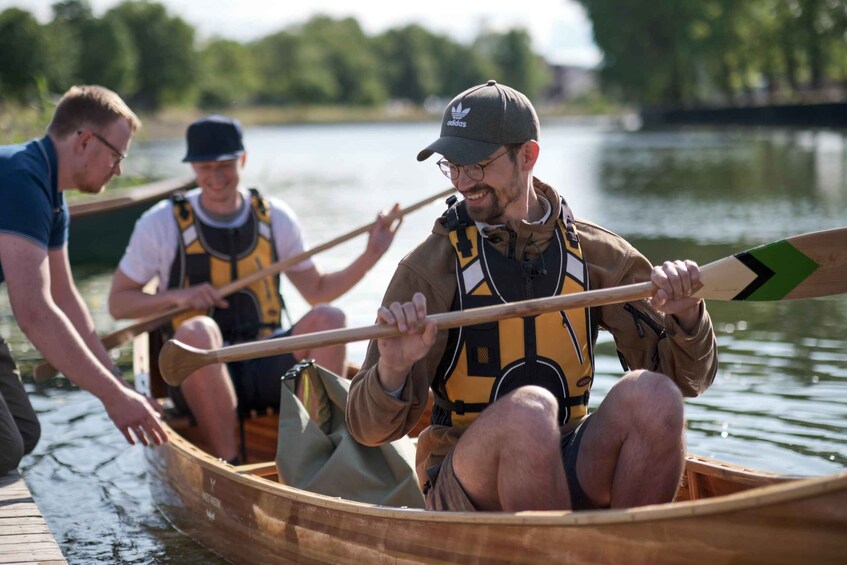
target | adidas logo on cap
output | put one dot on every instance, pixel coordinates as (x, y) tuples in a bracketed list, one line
[(458, 115)]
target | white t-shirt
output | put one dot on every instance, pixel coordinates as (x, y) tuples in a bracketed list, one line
[(153, 244)]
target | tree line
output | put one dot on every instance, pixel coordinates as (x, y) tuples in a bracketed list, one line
[(154, 59), (686, 52)]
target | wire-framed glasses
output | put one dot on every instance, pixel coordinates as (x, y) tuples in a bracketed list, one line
[(475, 172), (119, 155)]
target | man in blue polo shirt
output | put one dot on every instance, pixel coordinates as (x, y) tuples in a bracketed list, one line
[(85, 143)]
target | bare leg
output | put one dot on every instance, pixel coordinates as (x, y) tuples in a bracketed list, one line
[(209, 391), (510, 458), (321, 318), (633, 451)]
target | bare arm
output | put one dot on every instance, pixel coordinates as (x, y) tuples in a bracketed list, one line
[(27, 270), (127, 298), (68, 300), (318, 287)]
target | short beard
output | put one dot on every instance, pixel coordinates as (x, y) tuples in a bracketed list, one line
[(91, 189), (494, 212), (86, 187), (491, 212)]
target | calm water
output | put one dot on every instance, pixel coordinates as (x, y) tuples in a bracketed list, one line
[(779, 401)]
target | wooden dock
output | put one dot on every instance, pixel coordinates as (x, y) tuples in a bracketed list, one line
[(24, 535)]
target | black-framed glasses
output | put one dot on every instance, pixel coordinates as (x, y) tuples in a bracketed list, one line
[(474, 172), (120, 154)]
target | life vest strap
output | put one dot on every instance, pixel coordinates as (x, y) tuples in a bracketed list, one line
[(457, 217)]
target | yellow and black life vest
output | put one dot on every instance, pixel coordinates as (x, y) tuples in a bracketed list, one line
[(555, 350), (222, 255)]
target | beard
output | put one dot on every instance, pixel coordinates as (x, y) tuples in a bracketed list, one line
[(498, 201), (489, 213), (91, 188), (84, 183)]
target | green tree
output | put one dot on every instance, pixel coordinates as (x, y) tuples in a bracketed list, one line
[(648, 53), (292, 71), (25, 52), (460, 67), (409, 63), (164, 44), (64, 37), (349, 56), (227, 74), (516, 63), (108, 55)]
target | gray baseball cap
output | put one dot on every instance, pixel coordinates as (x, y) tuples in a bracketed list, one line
[(480, 120)]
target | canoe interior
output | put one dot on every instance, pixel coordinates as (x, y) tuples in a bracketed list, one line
[(703, 478)]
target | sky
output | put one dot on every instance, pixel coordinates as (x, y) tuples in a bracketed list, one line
[(559, 28)]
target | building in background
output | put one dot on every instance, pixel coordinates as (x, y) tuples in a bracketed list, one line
[(570, 82)]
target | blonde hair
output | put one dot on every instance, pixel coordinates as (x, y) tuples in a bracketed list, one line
[(89, 106)]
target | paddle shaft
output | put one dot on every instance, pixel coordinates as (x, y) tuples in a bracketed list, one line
[(768, 272), (45, 371), (174, 371)]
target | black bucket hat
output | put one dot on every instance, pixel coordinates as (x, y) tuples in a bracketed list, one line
[(480, 120), (214, 138)]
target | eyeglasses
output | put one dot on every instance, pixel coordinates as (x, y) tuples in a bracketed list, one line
[(474, 172), (120, 154)]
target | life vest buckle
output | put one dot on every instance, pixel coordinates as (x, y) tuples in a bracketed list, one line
[(459, 407)]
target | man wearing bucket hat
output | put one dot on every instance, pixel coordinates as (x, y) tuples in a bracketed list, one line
[(510, 429), (210, 237)]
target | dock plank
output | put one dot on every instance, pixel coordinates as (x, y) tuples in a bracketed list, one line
[(24, 535)]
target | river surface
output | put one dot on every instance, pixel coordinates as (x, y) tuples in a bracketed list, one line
[(779, 401)]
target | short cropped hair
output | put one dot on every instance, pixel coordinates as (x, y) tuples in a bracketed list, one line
[(89, 107)]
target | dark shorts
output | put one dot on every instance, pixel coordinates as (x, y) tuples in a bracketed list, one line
[(257, 382), (570, 452), (443, 491)]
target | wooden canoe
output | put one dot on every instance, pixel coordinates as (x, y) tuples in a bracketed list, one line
[(723, 513), (101, 225)]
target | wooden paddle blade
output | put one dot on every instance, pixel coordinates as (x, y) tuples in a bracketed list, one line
[(177, 361), (43, 371), (804, 266)]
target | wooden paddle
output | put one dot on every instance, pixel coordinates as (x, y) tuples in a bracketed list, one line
[(44, 370), (803, 266)]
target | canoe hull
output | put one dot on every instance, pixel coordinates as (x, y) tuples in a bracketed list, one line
[(249, 519)]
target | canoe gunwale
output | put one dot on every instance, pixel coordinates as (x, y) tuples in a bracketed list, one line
[(132, 196), (787, 490)]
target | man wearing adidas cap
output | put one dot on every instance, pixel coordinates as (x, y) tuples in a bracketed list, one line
[(513, 238)]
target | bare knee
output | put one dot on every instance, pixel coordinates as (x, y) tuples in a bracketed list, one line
[(521, 422), (527, 409), (200, 331), (321, 317), (653, 399)]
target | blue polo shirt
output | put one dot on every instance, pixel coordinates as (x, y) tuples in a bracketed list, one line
[(31, 205)]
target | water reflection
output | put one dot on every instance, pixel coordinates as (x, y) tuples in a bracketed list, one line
[(723, 186)]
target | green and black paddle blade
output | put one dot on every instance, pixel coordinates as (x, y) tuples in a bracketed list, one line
[(802, 266)]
